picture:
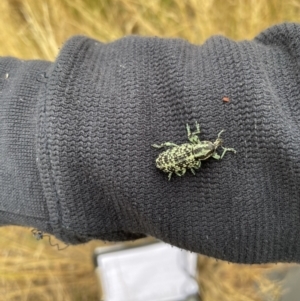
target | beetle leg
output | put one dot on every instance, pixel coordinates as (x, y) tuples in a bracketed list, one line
[(169, 176), (227, 150), (192, 170), (188, 130), (192, 136), (216, 156), (180, 174), (197, 165), (166, 144)]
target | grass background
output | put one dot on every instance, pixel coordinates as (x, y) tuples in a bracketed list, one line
[(31, 29)]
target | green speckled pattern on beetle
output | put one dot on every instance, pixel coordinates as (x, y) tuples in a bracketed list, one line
[(178, 158)]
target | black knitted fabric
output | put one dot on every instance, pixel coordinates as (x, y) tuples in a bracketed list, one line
[(75, 143)]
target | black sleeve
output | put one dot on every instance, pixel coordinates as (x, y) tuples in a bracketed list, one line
[(75, 143)]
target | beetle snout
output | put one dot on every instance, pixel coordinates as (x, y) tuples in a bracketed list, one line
[(218, 142)]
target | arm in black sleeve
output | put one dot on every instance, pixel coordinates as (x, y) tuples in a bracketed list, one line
[(76, 135)]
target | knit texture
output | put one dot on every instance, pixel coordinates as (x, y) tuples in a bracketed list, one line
[(22, 200), (100, 108)]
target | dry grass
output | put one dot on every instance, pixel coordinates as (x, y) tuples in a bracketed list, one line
[(36, 29), (33, 270), (220, 280), (33, 29)]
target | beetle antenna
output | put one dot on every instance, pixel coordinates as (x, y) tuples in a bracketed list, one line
[(220, 133)]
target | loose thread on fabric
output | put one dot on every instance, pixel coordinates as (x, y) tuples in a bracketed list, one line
[(38, 235)]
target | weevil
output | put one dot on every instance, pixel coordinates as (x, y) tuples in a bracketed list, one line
[(178, 158)]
